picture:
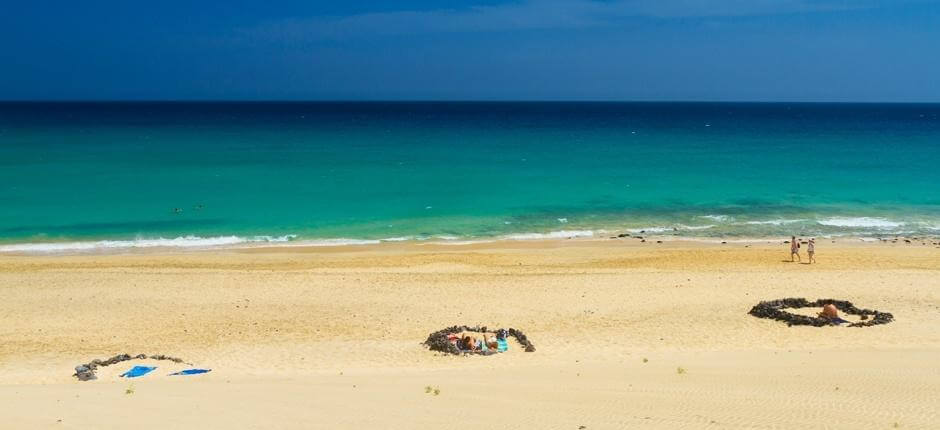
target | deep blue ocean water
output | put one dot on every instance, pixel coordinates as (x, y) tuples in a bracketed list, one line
[(224, 173)]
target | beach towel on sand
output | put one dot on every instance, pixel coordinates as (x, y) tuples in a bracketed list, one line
[(191, 372), (502, 345), (137, 371)]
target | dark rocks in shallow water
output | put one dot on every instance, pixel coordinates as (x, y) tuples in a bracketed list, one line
[(438, 341), (86, 372), (623, 235), (774, 309)]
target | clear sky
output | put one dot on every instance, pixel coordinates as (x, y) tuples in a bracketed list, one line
[(766, 50)]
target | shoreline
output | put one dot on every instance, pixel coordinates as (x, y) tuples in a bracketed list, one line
[(233, 243)]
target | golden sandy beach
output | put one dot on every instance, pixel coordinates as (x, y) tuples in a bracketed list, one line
[(628, 335)]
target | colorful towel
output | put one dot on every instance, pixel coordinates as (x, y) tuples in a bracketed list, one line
[(502, 345), (137, 371), (191, 372)]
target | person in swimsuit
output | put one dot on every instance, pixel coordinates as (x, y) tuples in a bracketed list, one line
[(829, 312), (470, 343), (811, 250), (490, 340), (794, 249)]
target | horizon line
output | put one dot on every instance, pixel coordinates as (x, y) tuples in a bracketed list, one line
[(24, 101)]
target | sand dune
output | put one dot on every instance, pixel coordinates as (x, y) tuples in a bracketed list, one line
[(311, 338)]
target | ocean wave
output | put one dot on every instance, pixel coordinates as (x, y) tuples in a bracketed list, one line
[(695, 227), (338, 242), (775, 222), (929, 226), (561, 234), (178, 242), (399, 239), (650, 230), (861, 222), (458, 242), (720, 218)]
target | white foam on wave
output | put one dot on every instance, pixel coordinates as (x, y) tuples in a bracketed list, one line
[(561, 234), (695, 227), (650, 230), (775, 222), (398, 239), (338, 242), (930, 226), (720, 218), (457, 242), (178, 242), (861, 222)]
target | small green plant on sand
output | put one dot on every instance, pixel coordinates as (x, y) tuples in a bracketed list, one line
[(645, 360), (437, 391), (129, 390), (428, 389), (680, 370)]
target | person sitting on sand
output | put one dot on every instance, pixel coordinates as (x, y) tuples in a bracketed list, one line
[(490, 340), (794, 249), (829, 312), (470, 343), (811, 250)]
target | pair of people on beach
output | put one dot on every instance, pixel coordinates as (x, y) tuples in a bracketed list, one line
[(795, 249)]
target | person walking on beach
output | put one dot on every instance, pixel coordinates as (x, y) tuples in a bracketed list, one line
[(811, 250), (794, 249)]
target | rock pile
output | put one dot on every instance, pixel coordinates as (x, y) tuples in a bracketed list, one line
[(774, 309), (86, 372), (438, 341)]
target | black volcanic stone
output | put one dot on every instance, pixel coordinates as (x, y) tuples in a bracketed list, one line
[(437, 341), (774, 309)]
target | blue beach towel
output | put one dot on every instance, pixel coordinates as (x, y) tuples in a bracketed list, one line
[(137, 371), (839, 321), (502, 345), (191, 372)]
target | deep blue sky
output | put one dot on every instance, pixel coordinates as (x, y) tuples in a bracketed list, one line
[(768, 50)]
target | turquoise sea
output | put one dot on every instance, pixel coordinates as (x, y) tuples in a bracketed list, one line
[(76, 176)]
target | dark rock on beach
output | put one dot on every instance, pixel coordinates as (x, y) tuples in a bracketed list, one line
[(438, 341), (774, 309)]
